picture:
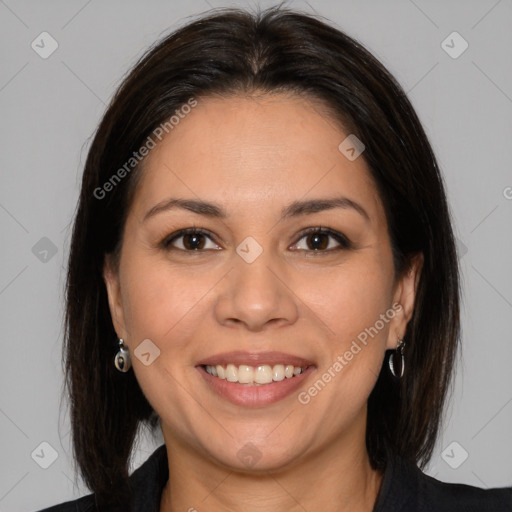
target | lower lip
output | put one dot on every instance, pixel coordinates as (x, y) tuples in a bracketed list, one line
[(255, 396)]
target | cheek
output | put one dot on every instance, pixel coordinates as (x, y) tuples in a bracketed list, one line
[(165, 305), (158, 299), (353, 303), (350, 300)]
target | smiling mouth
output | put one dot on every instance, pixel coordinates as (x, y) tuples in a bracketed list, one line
[(254, 375)]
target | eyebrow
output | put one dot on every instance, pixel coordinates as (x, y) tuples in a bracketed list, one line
[(295, 209)]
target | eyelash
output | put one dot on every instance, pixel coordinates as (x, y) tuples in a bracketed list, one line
[(339, 237)]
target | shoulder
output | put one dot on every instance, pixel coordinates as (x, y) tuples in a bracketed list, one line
[(84, 504), (405, 488), (441, 496), (145, 487)]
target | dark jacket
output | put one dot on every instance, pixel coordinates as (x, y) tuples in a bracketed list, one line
[(404, 489)]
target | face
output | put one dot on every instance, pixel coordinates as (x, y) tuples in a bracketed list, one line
[(269, 275)]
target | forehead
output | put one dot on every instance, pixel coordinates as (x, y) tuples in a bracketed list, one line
[(244, 151)]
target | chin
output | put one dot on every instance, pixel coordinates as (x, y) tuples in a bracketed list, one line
[(259, 456)]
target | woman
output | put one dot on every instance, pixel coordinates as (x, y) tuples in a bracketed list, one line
[(263, 266)]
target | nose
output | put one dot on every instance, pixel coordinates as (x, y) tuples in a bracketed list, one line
[(256, 295)]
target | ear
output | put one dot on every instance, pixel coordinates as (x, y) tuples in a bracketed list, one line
[(111, 278), (403, 300)]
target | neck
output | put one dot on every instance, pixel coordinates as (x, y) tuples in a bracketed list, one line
[(337, 479)]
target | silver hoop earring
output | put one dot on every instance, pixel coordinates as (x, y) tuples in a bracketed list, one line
[(122, 359), (397, 360)]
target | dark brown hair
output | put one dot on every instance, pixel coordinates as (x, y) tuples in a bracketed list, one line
[(231, 52)]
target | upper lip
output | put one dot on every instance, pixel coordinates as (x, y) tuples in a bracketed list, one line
[(255, 359)]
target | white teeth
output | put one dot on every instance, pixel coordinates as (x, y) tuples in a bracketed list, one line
[(245, 374), (259, 375), (231, 373), (263, 374), (278, 372)]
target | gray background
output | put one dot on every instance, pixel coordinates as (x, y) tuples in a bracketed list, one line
[(50, 107)]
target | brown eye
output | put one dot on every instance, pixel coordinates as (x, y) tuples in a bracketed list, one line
[(194, 242), (320, 240), (190, 240), (317, 241)]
